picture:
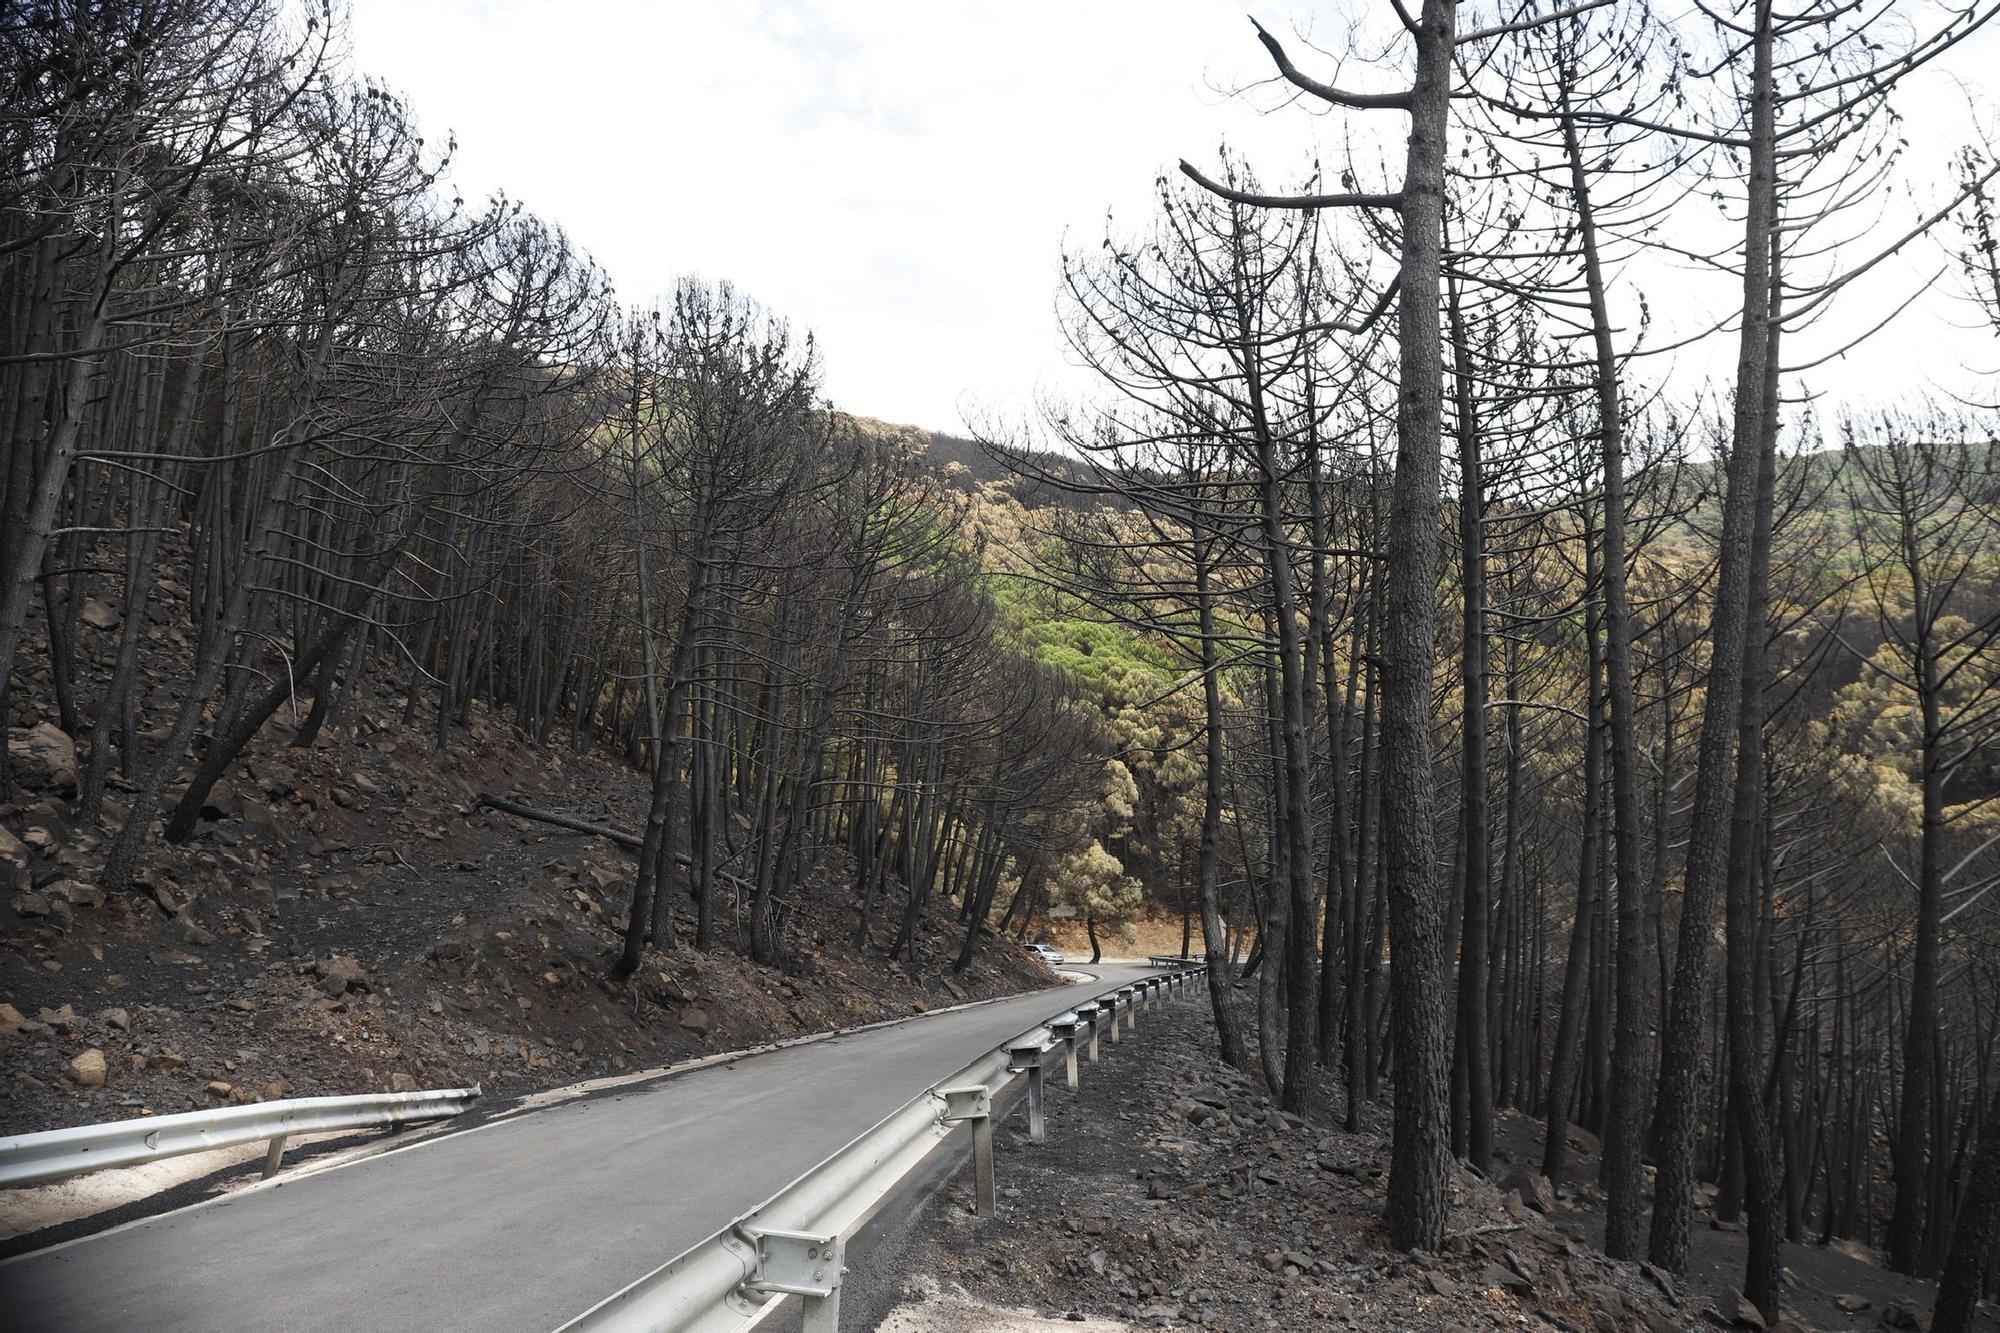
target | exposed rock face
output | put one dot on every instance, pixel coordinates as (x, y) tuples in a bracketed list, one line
[(42, 757)]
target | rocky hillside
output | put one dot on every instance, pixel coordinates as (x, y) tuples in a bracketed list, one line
[(350, 918), (1172, 1193)]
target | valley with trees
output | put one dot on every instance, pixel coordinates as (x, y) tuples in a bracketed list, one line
[(1564, 718)]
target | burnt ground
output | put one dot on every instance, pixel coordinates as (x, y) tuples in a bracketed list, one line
[(1171, 1193), (1843, 1285), (350, 920)]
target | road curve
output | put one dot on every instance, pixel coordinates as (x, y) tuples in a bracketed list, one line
[(519, 1224)]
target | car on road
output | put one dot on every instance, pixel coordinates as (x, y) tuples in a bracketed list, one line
[(1046, 954)]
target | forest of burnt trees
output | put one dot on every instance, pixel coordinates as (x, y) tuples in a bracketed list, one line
[(1538, 731), (390, 441), (1532, 682)]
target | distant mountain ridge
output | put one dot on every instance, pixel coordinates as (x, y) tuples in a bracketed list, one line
[(970, 464)]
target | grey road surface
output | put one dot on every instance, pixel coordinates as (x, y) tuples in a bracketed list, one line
[(519, 1224)]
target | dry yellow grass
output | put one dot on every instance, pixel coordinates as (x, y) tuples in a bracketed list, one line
[(1134, 939)]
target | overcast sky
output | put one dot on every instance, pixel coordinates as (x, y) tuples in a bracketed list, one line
[(898, 176)]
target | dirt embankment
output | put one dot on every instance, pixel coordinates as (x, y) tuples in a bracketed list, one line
[(350, 920)]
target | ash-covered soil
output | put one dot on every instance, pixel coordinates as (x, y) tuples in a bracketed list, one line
[(1171, 1193), (351, 920)]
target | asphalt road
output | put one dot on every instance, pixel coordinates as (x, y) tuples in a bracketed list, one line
[(519, 1224)]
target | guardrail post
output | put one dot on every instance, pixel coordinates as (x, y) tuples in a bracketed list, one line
[(274, 1155), (1065, 1028), (1091, 1016), (1030, 1059), (975, 1105), (799, 1263), (1038, 1128), (1111, 1005), (1132, 1008)]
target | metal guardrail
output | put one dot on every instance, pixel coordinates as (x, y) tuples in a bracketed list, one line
[(36, 1159), (794, 1243)]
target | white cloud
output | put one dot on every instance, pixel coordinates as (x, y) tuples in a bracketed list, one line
[(897, 176)]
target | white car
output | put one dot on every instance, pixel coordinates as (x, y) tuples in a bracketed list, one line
[(1046, 954)]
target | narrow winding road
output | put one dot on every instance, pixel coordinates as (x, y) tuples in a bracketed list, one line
[(518, 1224)]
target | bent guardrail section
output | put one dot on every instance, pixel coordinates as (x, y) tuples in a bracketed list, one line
[(37, 1159), (794, 1243)]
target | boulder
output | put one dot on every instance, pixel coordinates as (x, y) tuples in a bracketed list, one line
[(118, 1018), (1895, 1315), (42, 757), (339, 973), (1505, 1278), (1743, 1314), (694, 1020), (31, 904), (13, 851), (401, 1082), (87, 1070), (98, 615), (223, 802), (77, 893), (1536, 1191)]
